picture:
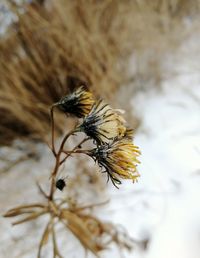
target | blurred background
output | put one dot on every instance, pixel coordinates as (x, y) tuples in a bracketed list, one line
[(141, 56)]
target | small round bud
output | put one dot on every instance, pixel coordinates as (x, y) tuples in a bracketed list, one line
[(60, 184)]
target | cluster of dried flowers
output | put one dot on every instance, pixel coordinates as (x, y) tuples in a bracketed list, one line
[(115, 153)]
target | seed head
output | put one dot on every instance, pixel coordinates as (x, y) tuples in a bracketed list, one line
[(119, 159), (78, 103)]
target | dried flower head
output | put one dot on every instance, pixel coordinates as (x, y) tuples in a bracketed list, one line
[(103, 123), (119, 159), (78, 103)]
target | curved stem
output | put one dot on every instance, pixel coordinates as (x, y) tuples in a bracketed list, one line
[(65, 139), (76, 147)]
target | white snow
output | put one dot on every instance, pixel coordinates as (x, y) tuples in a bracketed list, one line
[(169, 138)]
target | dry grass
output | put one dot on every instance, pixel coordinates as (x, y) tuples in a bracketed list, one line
[(58, 45), (50, 52)]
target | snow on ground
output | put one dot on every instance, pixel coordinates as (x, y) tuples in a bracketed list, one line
[(169, 138)]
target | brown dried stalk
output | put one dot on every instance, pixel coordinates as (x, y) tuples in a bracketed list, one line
[(93, 234)]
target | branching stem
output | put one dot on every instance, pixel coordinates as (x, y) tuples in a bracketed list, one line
[(72, 151), (57, 163)]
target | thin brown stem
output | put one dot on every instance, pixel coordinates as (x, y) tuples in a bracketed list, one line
[(41, 190), (76, 151), (76, 147), (57, 164), (65, 139)]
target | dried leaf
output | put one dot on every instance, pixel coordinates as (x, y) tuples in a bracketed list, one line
[(15, 213), (45, 238), (24, 209), (80, 230), (31, 217), (56, 252)]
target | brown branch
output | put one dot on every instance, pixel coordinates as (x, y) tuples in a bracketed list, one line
[(57, 164), (42, 191)]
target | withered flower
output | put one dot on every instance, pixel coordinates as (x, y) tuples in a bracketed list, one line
[(119, 159), (115, 154), (103, 124), (78, 103)]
